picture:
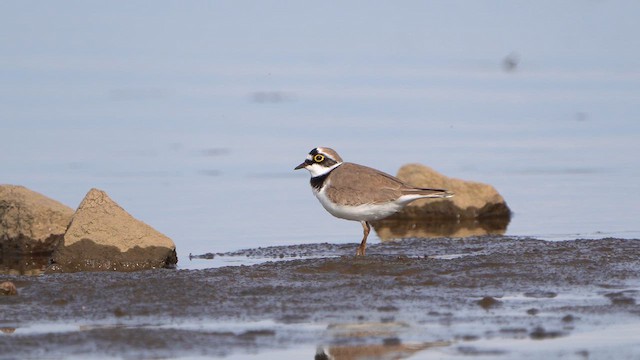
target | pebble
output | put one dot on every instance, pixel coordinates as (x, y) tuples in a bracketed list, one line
[(8, 288)]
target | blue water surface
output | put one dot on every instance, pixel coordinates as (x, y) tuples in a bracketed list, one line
[(192, 115)]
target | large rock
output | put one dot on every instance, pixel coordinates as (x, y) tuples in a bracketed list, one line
[(472, 200), (30, 223), (476, 209), (102, 236)]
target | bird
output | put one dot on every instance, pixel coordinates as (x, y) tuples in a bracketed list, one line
[(356, 192)]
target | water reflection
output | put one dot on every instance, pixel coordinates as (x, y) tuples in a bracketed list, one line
[(383, 341), (390, 229), (16, 264), (379, 351)]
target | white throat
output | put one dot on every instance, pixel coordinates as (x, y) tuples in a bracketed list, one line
[(318, 170)]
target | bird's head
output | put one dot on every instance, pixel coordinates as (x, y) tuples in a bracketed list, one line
[(320, 161)]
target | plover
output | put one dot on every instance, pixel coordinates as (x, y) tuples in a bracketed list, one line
[(360, 193)]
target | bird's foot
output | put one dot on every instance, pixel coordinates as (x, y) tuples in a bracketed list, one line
[(361, 251)]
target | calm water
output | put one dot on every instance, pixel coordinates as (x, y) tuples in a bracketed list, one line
[(192, 116)]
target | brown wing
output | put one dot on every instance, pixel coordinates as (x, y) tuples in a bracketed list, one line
[(353, 184)]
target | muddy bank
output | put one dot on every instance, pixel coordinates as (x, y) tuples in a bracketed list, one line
[(430, 298)]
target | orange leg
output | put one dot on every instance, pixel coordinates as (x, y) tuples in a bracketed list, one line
[(363, 245)]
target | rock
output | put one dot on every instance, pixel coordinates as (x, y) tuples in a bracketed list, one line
[(8, 288), (539, 333), (476, 209), (489, 302), (30, 223), (102, 236), (472, 200)]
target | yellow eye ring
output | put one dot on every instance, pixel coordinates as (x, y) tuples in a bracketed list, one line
[(318, 158)]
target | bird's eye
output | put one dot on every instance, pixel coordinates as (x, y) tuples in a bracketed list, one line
[(318, 158)]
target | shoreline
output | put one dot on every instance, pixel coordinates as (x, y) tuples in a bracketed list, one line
[(489, 296)]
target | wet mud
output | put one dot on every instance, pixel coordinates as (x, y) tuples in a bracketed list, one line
[(485, 297)]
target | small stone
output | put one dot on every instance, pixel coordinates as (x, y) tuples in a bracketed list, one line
[(620, 298), (8, 288), (118, 312), (539, 333), (392, 341), (541, 294), (489, 302)]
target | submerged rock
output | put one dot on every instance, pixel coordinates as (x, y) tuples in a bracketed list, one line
[(472, 200), (30, 223), (102, 236)]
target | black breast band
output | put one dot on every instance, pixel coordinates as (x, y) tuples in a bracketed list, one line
[(318, 181)]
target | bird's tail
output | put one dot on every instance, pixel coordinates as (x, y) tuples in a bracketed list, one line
[(428, 193)]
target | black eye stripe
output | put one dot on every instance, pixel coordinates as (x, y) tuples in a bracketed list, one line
[(326, 160)]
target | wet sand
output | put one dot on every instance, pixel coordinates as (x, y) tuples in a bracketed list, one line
[(488, 297)]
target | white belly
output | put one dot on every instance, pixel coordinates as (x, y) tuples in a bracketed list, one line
[(366, 212)]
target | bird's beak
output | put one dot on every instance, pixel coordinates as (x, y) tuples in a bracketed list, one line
[(303, 165)]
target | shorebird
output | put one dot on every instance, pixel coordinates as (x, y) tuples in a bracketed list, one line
[(360, 193)]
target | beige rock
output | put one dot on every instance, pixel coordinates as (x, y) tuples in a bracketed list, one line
[(103, 236), (476, 209), (30, 222), (472, 199)]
